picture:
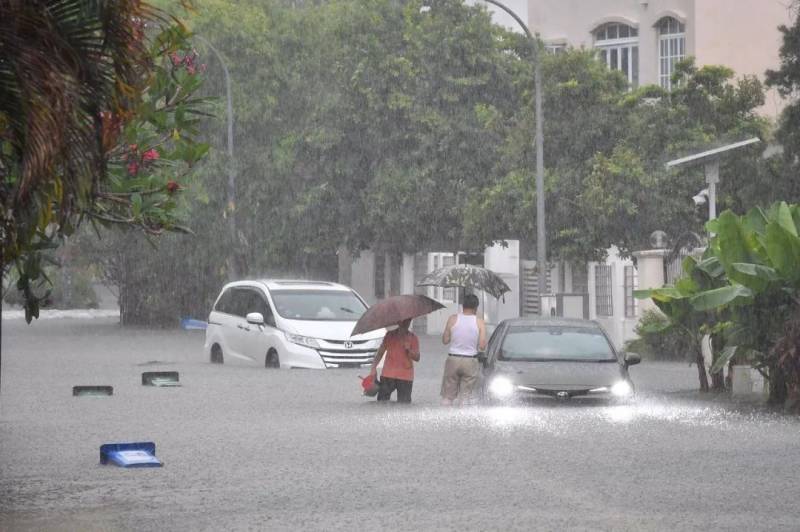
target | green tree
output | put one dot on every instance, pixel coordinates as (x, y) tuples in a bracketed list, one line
[(358, 124), (787, 80), (605, 149), (583, 116)]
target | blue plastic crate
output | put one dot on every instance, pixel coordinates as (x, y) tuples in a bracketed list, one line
[(134, 454)]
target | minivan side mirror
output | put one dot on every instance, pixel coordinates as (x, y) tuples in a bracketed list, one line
[(632, 359), (256, 318)]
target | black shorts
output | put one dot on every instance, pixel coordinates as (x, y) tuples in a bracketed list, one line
[(388, 385)]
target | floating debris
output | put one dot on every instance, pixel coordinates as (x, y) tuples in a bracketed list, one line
[(92, 390), (160, 378)]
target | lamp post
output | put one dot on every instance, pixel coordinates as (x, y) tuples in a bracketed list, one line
[(230, 206), (541, 244)]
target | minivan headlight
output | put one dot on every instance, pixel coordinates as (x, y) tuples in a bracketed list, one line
[(302, 340)]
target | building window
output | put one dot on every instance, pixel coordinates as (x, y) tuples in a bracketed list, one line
[(580, 278), (671, 48), (380, 275), (555, 48), (630, 285), (618, 47), (604, 304), (448, 294), (436, 261)]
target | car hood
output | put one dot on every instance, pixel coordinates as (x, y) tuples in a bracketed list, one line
[(562, 375), (330, 330)]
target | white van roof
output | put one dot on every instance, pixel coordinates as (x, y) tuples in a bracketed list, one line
[(300, 284)]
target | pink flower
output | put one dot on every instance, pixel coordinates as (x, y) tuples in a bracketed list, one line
[(133, 168), (175, 58), (190, 69), (150, 155)]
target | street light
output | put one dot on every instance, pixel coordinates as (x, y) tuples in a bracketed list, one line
[(710, 160), (541, 244), (231, 188)]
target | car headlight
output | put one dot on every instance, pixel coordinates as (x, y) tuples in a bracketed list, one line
[(302, 340), (622, 389), (501, 387)]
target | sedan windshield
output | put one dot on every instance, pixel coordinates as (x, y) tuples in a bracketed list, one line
[(555, 343), (318, 305)]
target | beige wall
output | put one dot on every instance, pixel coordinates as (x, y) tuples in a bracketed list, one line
[(741, 34)]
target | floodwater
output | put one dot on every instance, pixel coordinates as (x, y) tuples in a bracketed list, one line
[(247, 448)]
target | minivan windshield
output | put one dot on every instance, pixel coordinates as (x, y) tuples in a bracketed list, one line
[(318, 305), (555, 343)]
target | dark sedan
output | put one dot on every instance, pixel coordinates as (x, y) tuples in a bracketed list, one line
[(554, 358)]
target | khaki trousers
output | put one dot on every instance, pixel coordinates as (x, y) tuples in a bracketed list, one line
[(460, 377)]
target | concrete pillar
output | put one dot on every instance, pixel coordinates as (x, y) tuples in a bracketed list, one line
[(407, 274), (650, 266), (345, 265)]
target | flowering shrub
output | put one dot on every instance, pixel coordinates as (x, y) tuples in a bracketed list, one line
[(115, 128)]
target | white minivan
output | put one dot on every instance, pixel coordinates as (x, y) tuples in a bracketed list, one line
[(289, 324)]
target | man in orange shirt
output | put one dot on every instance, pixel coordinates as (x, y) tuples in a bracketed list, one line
[(401, 348)]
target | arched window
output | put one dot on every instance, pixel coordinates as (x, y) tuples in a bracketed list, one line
[(671, 48), (618, 46)]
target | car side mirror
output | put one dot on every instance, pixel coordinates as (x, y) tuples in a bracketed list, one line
[(256, 318), (631, 359)]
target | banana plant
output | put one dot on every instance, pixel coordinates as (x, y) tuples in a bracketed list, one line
[(688, 305), (760, 255)]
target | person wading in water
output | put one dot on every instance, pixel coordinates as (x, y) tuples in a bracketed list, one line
[(466, 334), (401, 348)]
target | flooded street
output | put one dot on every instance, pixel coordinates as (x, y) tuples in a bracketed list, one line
[(248, 448)]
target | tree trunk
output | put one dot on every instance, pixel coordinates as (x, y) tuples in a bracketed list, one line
[(777, 385), (701, 368), (718, 378), (718, 381)]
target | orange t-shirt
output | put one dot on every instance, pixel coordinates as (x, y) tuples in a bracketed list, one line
[(397, 365)]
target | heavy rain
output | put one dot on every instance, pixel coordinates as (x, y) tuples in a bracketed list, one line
[(407, 264)]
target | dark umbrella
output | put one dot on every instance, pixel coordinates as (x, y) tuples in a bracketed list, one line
[(467, 276), (393, 310)]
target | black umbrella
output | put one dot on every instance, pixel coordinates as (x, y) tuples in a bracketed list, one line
[(467, 276)]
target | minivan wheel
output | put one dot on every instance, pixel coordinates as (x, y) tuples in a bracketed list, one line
[(216, 355), (272, 361)]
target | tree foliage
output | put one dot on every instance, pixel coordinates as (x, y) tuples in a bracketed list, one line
[(787, 80), (605, 149), (373, 124)]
